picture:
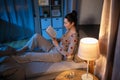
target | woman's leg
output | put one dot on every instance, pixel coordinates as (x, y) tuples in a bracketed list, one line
[(37, 41), (45, 56), (42, 43), (52, 56)]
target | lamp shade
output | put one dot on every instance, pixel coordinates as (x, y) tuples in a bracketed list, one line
[(88, 48)]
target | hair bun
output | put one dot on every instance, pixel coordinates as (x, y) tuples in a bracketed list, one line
[(72, 17), (74, 13)]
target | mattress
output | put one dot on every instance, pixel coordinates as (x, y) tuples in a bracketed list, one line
[(38, 70), (35, 69)]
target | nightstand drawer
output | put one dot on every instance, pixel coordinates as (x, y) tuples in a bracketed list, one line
[(59, 33), (45, 23), (57, 22), (45, 35)]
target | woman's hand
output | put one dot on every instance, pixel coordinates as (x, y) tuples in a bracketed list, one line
[(68, 54), (55, 42), (69, 57)]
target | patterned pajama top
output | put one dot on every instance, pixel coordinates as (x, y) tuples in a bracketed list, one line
[(68, 44)]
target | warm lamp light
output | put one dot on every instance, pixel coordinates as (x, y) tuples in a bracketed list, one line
[(88, 50)]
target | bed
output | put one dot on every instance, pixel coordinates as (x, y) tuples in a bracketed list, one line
[(11, 70)]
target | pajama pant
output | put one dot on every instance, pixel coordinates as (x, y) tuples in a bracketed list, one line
[(50, 53)]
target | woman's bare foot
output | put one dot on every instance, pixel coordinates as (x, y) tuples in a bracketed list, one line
[(21, 51)]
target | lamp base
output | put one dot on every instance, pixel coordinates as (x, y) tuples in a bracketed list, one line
[(87, 77)]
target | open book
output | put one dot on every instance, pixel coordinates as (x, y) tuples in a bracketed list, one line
[(51, 32)]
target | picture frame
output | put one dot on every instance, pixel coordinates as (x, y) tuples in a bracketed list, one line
[(43, 2), (56, 12)]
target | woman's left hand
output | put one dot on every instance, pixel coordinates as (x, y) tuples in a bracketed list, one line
[(55, 42)]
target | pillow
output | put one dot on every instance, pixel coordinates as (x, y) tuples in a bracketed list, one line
[(77, 59)]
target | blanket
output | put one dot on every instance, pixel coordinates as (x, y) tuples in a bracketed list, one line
[(10, 70)]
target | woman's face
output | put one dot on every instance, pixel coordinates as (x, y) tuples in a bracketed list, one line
[(67, 24)]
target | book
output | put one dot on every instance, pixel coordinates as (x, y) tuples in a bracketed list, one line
[(51, 31)]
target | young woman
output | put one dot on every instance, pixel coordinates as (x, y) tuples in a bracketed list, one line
[(54, 52)]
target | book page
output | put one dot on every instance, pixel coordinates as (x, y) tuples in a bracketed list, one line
[(51, 32)]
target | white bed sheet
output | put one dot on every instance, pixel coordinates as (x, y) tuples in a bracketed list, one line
[(35, 69)]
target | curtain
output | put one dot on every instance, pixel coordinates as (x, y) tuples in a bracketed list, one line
[(70, 5), (107, 66), (16, 19)]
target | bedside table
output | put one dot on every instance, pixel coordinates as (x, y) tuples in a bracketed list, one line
[(72, 75)]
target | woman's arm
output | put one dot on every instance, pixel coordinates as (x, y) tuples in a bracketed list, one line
[(71, 46), (55, 42)]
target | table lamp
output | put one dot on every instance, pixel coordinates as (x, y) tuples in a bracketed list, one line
[(88, 50)]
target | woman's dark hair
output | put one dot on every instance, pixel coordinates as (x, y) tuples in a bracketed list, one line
[(72, 17)]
